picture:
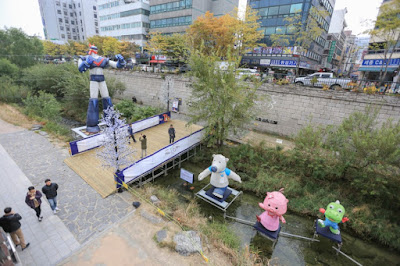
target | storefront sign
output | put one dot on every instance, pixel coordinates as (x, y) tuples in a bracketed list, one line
[(381, 62), (265, 62)]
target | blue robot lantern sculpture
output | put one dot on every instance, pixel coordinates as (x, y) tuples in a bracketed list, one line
[(95, 64)]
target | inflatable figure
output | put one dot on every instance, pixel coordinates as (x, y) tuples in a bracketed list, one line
[(275, 205), (96, 64), (333, 215), (219, 175)]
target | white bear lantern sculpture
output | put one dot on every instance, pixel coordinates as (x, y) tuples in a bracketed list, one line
[(219, 175)]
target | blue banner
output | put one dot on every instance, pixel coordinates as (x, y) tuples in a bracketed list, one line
[(381, 62), (288, 63)]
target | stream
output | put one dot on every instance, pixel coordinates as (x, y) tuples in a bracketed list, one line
[(288, 251)]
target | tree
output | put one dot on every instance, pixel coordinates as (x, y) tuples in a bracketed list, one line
[(116, 152), (232, 32), (128, 49), (53, 49), (301, 34), (387, 33), (76, 48), (21, 49), (110, 47), (218, 98), (173, 46)]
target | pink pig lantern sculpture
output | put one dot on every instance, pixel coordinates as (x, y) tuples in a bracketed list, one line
[(275, 205)]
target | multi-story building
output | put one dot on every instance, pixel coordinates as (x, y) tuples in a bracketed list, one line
[(272, 18), (65, 20), (174, 16), (334, 47), (349, 54), (374, 61), (126, 20)]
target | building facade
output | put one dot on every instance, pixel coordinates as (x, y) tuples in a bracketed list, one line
[(126, 20), (374, 62), (272, 18), (65, 20), (174, 16)]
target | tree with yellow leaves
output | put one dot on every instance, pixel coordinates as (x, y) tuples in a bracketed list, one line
[(128, 49), (173, 46), (235, 32), (53, 49)]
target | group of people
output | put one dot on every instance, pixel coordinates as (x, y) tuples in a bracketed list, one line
[(10, 222), (143, 139)]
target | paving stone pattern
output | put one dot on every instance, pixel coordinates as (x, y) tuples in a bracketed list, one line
[(83, 210)]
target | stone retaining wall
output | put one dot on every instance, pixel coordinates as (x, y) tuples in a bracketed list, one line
[(282, 110)]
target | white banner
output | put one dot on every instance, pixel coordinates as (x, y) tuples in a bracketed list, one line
[(154, 160), (142, 125), (90, 143)]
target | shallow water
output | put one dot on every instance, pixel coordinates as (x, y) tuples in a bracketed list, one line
[(288, 251)]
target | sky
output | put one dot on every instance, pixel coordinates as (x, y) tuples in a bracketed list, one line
[(25, 14)]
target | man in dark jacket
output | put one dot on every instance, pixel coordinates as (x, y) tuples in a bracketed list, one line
[(171, 132), (50, 190), (33, 200), (10, 223)]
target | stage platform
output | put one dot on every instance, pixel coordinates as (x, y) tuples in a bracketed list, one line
[(87, 165)]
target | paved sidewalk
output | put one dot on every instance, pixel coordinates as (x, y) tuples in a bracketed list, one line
[(83, 210), (50, 240)]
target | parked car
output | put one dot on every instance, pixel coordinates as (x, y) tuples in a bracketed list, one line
[(246, 73), (168, 69), (323, 78)]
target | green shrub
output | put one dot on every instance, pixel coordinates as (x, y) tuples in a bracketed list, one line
[(7, 68), (133, 112), (44, 105), (10, 92)]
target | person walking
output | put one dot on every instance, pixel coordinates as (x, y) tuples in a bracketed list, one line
[(130, 130), (50, 190), (33, 200), (10, 224), (143, 141), (171, 132)]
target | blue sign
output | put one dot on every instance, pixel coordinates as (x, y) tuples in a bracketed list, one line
[(381, 62), (187, 176), (287, 63)]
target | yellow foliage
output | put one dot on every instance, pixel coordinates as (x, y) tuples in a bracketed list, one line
[(370, 89), (218, 35), (325, 87)]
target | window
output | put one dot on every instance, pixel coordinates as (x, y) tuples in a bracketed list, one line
[(82, 29), (263, 12), (291, 29), (284, 9), (60, 20), (63, 36), (64, 5), (73, 30), (57, 3), (65, 13), (97, 31), (295, 8), (273, 10), (66, 21), (61, 28), (67, 28), (94, 7), (269, 30), (80, 13), (70, 6), (58, 11), (325, 76), (74, 37), (95, 15), (72, 22), (71, 14)]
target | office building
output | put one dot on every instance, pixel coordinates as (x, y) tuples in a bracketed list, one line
[(126, 20), (272, 18), (174, 16), (65, 20)]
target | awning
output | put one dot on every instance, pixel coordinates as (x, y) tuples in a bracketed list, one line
[(157, 61), (377, 69)]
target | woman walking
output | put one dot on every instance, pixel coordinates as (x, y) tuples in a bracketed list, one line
[(33, 200)]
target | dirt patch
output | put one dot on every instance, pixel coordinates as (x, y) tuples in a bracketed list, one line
[(131, 242), (12, 115)]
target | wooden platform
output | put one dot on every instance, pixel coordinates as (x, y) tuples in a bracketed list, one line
[(88, 166)]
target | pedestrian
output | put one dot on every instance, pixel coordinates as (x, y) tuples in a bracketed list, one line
[(171, 132), (50, 190), (143, 141), (33, 200), (10, 223), (130, 130)]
